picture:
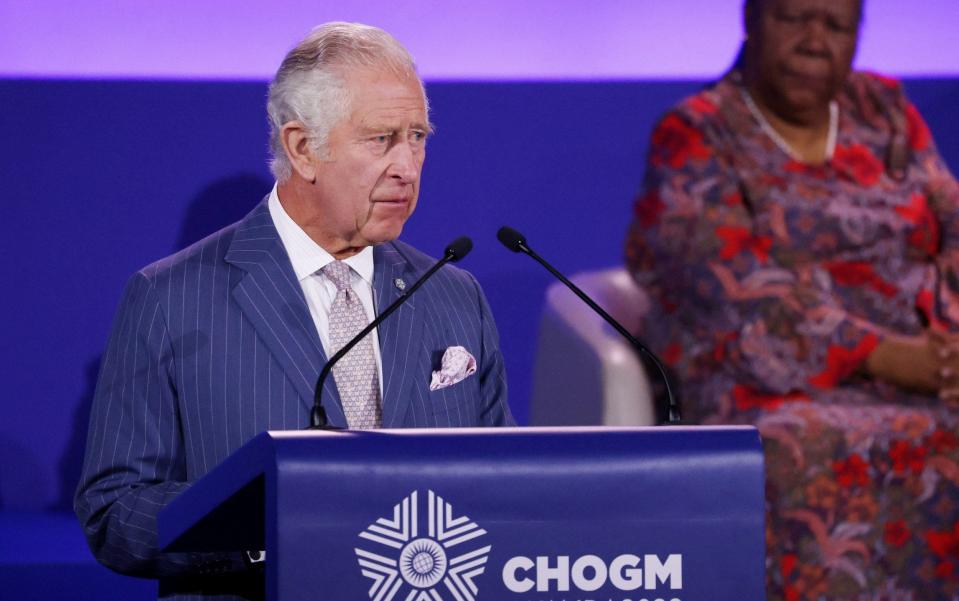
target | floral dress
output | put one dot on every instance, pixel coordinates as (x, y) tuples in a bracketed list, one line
[(772, 280)]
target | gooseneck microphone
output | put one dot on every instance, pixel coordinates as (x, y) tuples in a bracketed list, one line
[(516, 242), (457, 249)]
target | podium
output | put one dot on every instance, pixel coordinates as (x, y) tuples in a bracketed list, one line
[(532, 514)]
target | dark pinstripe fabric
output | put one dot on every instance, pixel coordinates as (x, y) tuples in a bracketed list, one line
[(215, 344)]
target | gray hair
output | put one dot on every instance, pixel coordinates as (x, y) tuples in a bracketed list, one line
[(309, 86)]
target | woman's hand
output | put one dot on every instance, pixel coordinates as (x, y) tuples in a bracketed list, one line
[(947, 344), (928, 363)]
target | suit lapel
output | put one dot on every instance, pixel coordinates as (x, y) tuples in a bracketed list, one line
[(399, 335), (271, 298)]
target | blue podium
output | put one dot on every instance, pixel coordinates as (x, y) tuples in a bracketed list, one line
[(531, 514)]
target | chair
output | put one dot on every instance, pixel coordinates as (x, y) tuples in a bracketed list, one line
[(585, 372)]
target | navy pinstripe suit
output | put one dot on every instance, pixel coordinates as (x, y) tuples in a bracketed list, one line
[(215, 344)]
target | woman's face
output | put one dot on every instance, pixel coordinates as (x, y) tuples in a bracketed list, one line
[(799, 52)]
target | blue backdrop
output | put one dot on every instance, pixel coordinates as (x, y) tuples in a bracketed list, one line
[(103, 177)]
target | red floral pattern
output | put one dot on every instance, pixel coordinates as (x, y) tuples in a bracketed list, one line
[(906, 457), (746, 398), (841, 362), (701, 104), (925, 235), (926, 305), (858, 164), (851, 471), (817, 171), (733, 200), (648, 208), (772, 281), (675, 142), (672, 354), (858, 273), (738, 239), (896, 533), (943, 441), (945, 545)]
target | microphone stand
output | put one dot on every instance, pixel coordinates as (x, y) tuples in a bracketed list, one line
[(516, 242)]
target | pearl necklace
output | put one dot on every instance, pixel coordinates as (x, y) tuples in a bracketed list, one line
[(783, 145)]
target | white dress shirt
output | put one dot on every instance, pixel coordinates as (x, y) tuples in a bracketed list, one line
[(308, 259)]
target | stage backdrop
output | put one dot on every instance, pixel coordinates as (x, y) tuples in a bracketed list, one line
[(104, 177)]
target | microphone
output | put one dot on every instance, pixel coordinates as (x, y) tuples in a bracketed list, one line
[(516, 242), (457, 249)]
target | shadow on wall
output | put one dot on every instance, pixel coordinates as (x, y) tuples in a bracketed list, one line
[(21, 477), (221, 203), (71, 462)]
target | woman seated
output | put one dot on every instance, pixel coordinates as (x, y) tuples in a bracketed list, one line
[(799, 235)]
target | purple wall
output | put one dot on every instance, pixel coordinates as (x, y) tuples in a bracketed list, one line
[(452, 39)]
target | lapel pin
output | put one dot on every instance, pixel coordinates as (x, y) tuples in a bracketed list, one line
[(400, 284)]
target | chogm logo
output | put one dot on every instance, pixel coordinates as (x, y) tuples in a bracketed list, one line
[(428, 566)]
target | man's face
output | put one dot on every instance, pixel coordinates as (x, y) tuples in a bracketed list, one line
[(803, 50), (368, 183)]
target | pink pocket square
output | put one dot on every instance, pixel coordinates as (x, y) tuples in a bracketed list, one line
[(457, 365)]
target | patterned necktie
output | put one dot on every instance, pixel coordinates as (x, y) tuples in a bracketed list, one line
[(355, 373)]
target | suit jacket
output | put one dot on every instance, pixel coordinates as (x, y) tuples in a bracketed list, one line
[(215, 344)]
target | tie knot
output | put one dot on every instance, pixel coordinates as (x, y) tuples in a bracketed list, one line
[(339, 274)]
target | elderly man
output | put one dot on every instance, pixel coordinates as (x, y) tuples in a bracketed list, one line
[(225, 339)]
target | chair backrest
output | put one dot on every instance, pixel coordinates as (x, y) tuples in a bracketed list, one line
[(585, 373)]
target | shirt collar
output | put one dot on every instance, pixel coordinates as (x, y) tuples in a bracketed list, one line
[(307, 256)]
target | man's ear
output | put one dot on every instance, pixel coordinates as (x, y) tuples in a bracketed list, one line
[(296, 144)]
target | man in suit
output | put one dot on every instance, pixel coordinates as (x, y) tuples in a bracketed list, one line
[(225, 339)]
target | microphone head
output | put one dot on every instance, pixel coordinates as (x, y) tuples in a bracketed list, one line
[(459, 248), (511, 239)]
